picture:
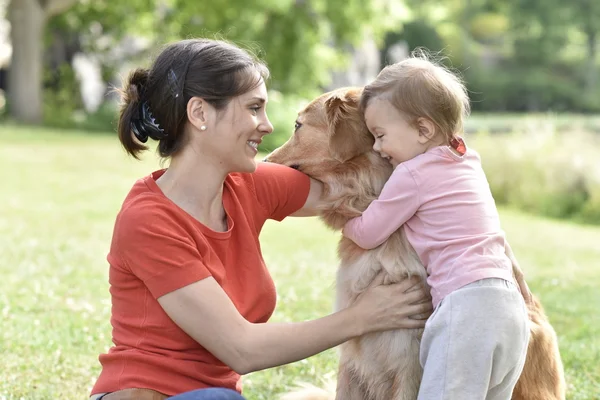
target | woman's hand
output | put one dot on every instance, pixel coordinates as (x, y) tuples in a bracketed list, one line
[(205, 312), (402, 305)]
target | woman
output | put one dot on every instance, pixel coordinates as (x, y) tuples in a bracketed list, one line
[(190, 291)]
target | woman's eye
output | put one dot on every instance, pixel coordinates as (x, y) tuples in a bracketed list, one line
[(255, 109), (297, 125)]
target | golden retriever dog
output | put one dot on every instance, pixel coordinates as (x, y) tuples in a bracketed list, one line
[(332, 144)]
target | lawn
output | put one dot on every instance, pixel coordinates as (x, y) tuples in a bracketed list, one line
[(60, 194)]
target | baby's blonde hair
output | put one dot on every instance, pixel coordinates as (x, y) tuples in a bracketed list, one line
[(421, 88)]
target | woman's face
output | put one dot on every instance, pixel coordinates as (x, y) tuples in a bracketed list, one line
[(235, 132)]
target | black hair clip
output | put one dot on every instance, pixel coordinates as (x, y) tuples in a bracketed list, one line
[(173, 83), (145, 126)]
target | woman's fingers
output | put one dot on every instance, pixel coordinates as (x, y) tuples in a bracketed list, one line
[(409, 284), (420, 311), (406, 304), (414, 294)]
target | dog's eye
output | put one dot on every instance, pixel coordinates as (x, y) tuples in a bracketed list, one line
[(297, 125)]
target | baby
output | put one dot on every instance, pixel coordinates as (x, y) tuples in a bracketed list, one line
[(475, 343)]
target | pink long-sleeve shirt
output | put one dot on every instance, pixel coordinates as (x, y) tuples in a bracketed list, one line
[(444, 203)]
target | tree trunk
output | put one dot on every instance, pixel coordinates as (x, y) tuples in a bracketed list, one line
[(592, 72), (25, 75), (25, 78)]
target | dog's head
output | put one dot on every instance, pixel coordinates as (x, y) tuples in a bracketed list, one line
[(329, 131), (331, 143)]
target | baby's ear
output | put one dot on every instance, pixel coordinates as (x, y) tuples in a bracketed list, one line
[(348, 133), (426, 129)]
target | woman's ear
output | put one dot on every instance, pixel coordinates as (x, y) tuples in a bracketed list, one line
[(197, 110), (426, 130)]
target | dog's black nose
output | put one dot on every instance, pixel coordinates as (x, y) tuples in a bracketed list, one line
[(266, 159)]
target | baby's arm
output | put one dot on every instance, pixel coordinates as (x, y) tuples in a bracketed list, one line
[(397, 203)]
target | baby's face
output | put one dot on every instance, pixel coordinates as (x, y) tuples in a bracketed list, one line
[(396, 139)]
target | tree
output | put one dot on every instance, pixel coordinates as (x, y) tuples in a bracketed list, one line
[(301, 40), (587, 16), (28, 19)]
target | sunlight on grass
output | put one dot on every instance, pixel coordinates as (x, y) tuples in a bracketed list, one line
[(60, 195)]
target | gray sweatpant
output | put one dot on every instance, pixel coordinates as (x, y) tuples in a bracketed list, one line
[(475, 343)]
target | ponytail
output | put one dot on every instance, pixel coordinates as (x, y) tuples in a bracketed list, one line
[(131, 102)]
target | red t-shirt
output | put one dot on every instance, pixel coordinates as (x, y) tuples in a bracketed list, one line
[(158, 248)]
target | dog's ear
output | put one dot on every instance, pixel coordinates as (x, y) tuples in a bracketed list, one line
[(348, 133)]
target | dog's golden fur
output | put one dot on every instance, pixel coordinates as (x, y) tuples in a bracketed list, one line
[(334, 146)]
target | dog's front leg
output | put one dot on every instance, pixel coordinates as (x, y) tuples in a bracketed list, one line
[(349, 385)]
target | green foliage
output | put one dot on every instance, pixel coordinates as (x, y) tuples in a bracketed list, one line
[(63, 105), (488, 27), (416, 33), (516, 55), (516, 88), (61, 97), (537, 28), (544, 172), (301, 40), (103, 22)]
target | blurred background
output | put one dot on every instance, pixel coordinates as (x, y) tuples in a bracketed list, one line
[(530, 65), (533, 73)]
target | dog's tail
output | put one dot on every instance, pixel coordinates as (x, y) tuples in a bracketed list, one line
[(307, 391)]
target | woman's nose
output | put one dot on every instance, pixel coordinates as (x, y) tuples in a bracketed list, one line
[(266, 127)]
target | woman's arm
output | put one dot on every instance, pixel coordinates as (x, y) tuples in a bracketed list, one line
[(205, 312), (313, 201)]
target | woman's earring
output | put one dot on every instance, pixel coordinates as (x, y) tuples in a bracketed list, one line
[(203, 128)]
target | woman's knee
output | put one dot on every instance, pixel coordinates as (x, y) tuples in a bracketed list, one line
[(222, 394), (209, 394)]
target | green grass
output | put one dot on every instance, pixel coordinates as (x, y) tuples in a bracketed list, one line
[(60, 194), (509, 122)]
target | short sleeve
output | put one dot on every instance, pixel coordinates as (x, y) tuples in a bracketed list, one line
[(155, 245), (280, 190)]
